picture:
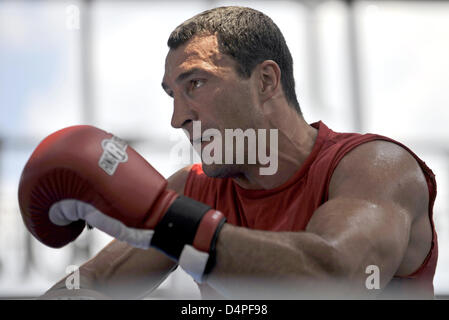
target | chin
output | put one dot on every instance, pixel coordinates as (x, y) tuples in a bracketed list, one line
[(221, 170)]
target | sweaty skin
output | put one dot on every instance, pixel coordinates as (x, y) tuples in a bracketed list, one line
[(377, 212), (213, 93), (376, 215)]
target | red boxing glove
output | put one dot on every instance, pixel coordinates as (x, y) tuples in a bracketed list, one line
[(82, 174)]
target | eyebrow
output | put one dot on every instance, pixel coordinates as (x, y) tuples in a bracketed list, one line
[(187, 74), (182, 77)]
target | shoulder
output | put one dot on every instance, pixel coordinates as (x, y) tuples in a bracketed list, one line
[(382, 171), (177, 181)]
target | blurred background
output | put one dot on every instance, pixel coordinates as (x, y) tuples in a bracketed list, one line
[(363, 66)]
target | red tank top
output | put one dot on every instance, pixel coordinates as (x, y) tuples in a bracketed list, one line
[(296, 200)]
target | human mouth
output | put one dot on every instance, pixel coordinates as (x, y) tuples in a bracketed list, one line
[(200, 140)]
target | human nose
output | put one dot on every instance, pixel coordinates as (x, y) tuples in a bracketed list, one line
[(182, 114)]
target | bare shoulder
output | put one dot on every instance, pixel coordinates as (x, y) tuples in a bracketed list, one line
[(378, 204), (382, 171), (178, 180)]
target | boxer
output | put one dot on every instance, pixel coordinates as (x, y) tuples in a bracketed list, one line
[(344, 215)]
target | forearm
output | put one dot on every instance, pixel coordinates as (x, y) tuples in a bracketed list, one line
[(121, 271), (248, 262)]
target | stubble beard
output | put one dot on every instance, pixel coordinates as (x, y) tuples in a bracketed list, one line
[(222, 170)]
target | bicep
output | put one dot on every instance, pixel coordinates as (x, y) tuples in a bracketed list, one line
[(363, 233), (375, 194)]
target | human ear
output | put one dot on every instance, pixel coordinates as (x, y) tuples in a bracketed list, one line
[(269, 79)]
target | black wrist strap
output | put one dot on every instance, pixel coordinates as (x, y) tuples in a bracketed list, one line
[(212, 253), (178, 226)]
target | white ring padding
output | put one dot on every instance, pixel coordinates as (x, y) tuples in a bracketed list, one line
[(67, 211), (193, 262)]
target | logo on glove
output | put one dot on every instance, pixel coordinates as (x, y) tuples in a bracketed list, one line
[(114, 152)]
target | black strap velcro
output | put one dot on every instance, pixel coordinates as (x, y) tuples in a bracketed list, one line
[(178, 226)]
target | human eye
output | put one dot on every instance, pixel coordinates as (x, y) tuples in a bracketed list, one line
[(196, 83)]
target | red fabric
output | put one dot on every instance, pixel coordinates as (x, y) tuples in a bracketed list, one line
[(295, 201)]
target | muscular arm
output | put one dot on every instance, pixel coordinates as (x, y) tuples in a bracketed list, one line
[(122, 271), (376, 193)]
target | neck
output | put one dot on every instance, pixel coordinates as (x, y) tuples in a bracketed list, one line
[(296, 139)]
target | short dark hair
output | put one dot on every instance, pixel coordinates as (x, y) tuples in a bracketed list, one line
[(248, 36)]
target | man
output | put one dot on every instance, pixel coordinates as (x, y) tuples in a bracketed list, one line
[(344, 215)]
